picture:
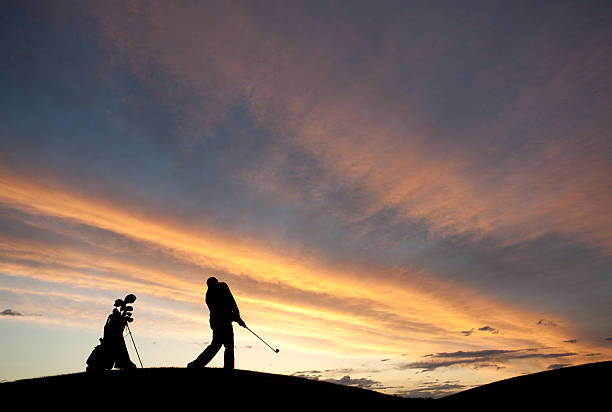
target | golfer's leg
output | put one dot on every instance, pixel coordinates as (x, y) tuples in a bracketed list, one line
[(228, 342), (210, 351)]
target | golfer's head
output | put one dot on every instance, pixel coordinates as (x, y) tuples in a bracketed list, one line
[(212, 281)]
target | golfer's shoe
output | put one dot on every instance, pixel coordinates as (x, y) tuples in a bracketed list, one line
[(192, 365)]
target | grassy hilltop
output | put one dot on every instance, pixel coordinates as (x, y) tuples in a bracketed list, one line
[(155, 388)]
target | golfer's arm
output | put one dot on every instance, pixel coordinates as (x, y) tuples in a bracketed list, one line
[(235, 310)]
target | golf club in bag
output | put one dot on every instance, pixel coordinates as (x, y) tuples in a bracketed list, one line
[(112, 350)]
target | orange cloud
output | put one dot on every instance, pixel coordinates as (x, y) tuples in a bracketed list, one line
[(377, 310), (381, 147), (370, 133)]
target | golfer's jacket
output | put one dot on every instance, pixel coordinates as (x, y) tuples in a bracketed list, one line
[(221, 304)]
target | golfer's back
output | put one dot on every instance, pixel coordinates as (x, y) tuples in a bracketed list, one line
[(221, 304)]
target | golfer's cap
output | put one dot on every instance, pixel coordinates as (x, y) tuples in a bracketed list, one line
[(211, 281)]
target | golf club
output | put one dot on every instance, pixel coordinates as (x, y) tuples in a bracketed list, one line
[(127, 312), (275, 350), (137, 354)]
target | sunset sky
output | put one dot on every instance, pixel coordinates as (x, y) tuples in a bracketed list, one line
[(413, 197)]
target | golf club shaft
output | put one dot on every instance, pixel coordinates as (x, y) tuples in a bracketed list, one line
[(261, 339), (137, 354)]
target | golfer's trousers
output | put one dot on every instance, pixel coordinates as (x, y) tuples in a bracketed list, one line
[(223, 334)]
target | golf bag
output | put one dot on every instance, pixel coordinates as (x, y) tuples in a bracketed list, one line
[(112, 350)]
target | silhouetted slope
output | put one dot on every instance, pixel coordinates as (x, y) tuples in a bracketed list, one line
[(151, 388), (577, 385)]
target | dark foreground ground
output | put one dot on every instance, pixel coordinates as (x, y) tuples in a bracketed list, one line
[(577, 386), (211, 388), (196, 389)]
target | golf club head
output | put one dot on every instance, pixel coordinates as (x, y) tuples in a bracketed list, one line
[(129, 309), (130, 319), (118, 303), (276, 350), (129, 299)]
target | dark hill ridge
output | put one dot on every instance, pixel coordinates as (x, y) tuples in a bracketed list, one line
[(154, 388), (584, 385)]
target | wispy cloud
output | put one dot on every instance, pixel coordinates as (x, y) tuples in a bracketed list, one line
[(454, 200), (367, 181), (10, 312), (324, 375), (488, 329), (13, 313), (386, 311), (433, 389), (396, 188), (558, 365), (363, 383), (494, 357)]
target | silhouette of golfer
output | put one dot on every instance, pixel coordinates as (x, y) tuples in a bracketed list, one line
[(223, 311)]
